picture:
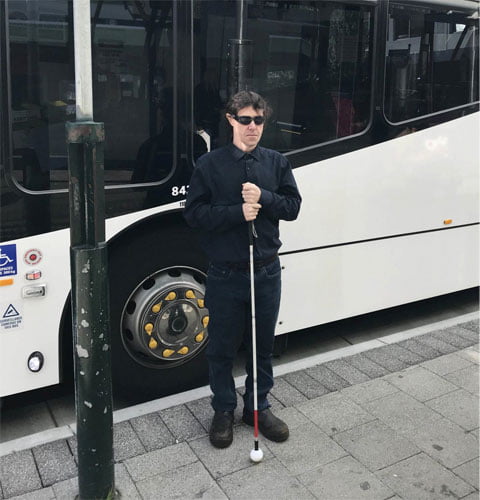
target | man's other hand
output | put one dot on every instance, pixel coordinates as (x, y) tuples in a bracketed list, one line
[(251, 193), (250, 210)]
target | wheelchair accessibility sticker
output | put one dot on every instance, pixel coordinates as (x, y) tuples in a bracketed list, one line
[(10, 316), (8, 260)]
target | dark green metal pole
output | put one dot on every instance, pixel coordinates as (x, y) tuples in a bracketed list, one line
[(90, 308)]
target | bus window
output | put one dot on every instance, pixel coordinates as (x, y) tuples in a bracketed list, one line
[(431, 61), (132, 62), (312, 60)]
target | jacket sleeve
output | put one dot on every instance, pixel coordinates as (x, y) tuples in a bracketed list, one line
[(202, 214), (285, 202)]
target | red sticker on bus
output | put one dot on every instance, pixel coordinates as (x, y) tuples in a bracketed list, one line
[(32, 257)]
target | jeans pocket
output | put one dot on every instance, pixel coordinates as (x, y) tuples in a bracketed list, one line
[(218, 272), (274, 269)]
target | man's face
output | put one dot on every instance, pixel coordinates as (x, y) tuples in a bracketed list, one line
[(246, 137)]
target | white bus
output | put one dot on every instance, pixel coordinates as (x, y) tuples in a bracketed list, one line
[(375, 105)]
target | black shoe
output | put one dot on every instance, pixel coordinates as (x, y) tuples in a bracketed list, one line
[(221, 430), (268, 424)]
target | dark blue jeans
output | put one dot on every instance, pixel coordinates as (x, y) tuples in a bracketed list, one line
[(228, 300)]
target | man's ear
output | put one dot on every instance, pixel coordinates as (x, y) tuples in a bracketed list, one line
[(229, 118)]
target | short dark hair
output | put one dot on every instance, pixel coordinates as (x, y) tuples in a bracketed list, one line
[(244, 99)]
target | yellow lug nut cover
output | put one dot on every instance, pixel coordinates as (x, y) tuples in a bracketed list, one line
[(199, 337), (152, 344), (149, 328), (167, 353), (205, 320), (190, 294), (156, 308), (201, 303), (183, 350), (171, 296)]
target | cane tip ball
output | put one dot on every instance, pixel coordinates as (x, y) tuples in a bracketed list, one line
[(256, 455)]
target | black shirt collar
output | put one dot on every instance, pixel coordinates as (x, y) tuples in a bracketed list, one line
[(238, 154)]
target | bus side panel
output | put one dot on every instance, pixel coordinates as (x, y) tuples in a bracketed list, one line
[(36, 327), (339, 282), (38, 317), (406, 185)]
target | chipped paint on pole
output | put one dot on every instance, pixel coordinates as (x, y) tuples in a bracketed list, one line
[(90, 294)]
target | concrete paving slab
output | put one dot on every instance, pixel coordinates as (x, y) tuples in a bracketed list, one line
[(423, 350), (327, 378), (44, 494), (446, 364), (159, 461), (453, 336), (401, 412), (18, 474), (467, 378), (471, 354), (334, 413), (307, 448), (369, 391), (152, 431), (275, 405), (125, 442), (472, 496), (366, 365), (220, 462), (55, 462), (471, 325), (191, 481), (268, 480), (28, 420), (292, 417), (347, 371), (460, 407), (375, 445), (67, 490), (286, 393), (468, 333), (181, 423), (420, 383), (445, 442), (202, 411), (422, 478), (437, 344), (346, 479), (469, 472), (409, 357), (383, 356), (307, 385)]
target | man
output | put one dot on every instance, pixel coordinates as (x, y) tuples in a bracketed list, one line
[(230, 187)]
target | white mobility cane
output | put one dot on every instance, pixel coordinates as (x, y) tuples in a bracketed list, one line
[(256, 455)]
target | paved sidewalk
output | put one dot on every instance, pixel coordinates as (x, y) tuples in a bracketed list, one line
[(396, 422)]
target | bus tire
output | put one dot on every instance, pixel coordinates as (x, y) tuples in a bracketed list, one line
[(158, 317)]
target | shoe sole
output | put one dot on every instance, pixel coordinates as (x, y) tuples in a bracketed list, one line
[(221, 444)]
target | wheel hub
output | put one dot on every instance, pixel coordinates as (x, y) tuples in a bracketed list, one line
[(165, 319)]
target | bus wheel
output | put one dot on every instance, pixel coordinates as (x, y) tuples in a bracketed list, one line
[(159, 319)]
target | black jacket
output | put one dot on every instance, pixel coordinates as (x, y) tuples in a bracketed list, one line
[(214, 201)]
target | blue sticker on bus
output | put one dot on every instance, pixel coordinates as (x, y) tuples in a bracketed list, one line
[(8, 260)]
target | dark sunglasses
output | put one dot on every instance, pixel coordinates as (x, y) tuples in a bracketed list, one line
[(246, 120)]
